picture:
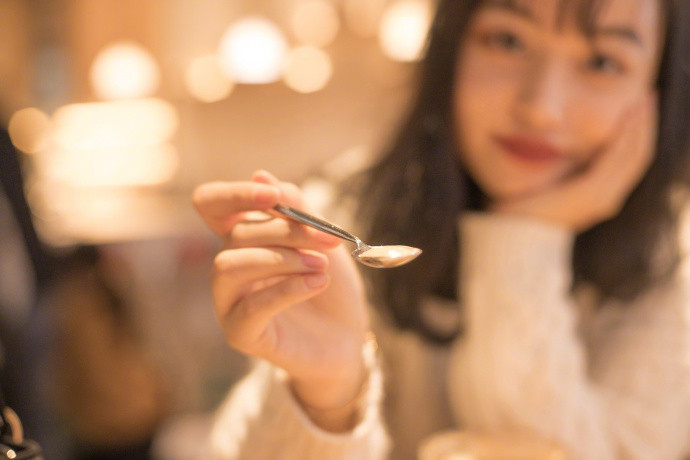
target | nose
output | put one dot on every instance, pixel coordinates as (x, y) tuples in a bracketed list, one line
[(540, 102)]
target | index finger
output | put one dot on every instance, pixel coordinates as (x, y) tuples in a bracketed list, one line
[(222, 204)]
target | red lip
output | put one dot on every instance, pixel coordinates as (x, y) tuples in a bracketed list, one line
[(529, 148)]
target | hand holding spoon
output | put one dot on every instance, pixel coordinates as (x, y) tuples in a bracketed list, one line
[(386, 256)]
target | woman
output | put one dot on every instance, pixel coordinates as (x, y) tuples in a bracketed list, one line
[(536, 171)]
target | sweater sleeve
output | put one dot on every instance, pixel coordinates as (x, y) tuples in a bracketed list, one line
[(260, 419), (522, 364)]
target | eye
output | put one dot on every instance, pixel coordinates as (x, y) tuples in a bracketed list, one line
[(602, 63), (505, 40)]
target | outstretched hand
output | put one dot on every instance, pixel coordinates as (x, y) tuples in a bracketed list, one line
[(284, 292), (599, 191)]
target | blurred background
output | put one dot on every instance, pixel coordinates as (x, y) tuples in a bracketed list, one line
[(119, 108), (147, 98)]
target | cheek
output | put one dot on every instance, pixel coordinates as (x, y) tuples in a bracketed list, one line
[(481, 102), (482, 86), (593, 122)]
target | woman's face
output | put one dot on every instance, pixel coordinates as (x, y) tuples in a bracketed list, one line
[(536, 97)]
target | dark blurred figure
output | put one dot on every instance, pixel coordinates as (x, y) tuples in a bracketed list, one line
[(26, 270), (70, 364), (106, 388)]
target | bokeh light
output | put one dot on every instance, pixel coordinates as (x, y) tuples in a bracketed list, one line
[(403, 30), (362, 16), (124, 70), (205, 80), (114, 124), (308, 69), (252, 51), (117, 143), (29, 130), (315, 22)]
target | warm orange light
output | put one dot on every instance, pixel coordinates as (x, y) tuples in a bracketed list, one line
[(403, 29), (363, 16), (118, 143), (113, 167), (124, 70), (114, 124), (309, 69), (29, 130), (252, 51), (205, 80), (315, 22)]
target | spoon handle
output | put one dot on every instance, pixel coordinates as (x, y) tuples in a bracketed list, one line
[(315, 222)]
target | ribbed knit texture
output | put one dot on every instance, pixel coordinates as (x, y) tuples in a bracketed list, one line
[(524, 363), (261, 420)]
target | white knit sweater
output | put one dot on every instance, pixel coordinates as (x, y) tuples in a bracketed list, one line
[(605, 383)]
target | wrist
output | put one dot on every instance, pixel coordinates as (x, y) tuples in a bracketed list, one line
[(333, 403), (337, 418)]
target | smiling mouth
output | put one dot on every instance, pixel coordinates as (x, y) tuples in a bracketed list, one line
[(528, 149)]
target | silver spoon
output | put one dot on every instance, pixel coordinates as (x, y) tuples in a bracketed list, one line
[(386, 256)]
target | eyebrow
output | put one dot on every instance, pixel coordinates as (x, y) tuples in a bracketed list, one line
[(623, 32), (511, 6)]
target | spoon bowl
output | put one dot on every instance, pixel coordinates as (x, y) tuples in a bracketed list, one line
[(386, 256)]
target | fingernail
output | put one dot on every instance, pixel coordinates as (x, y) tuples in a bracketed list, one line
[(315, 280), (265, 175), (313, 261), (265, 195)]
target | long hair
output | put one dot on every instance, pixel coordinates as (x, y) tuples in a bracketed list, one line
[(417, 189)]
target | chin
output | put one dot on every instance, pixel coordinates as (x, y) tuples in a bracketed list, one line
[(516, 190)]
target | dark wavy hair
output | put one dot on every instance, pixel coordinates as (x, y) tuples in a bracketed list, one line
[(417, 188)]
